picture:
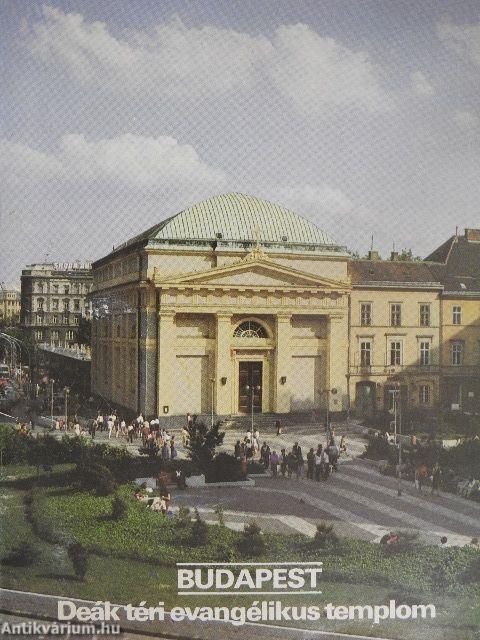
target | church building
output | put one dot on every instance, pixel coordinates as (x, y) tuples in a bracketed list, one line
[(237, 305)]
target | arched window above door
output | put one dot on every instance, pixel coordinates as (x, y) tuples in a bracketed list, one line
[(250, 329)]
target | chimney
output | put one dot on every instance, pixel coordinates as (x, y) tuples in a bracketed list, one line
[(373, 255), (394, 256), (472, 235)]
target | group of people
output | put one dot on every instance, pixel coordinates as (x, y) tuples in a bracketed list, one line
[(159, 503), (292, 463), (423, 473), (154, 438)]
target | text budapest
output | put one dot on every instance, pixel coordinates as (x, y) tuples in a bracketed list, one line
[(278, 579)]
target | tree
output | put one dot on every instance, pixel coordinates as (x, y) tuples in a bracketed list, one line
[(79, 558), (406, 255), (84, 333), (202, 442)]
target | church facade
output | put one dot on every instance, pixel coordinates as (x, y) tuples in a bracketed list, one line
[(237, 305)]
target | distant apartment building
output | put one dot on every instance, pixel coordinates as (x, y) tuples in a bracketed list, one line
[(53, 300), (9, 306)]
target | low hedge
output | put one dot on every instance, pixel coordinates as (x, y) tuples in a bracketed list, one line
[(147, 536)]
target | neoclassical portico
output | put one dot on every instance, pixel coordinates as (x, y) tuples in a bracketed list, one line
[(254, 332)]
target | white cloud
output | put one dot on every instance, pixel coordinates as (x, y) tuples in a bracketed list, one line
[(128, 160), (420, 84), (173, 61), (466, 120), (321, 199), (312, 71), (464, 40)]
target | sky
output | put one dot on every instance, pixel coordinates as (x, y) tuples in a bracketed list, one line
[(364, 116)]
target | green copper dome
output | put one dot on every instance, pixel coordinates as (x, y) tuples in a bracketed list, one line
[(236, 216), (235, 221)]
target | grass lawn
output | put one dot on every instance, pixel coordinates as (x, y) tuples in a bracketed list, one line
[(362, 575)]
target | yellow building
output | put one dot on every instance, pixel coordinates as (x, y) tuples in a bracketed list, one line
[(237, 303), (9, 306)]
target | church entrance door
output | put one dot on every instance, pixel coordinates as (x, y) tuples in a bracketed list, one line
[(250, 386)]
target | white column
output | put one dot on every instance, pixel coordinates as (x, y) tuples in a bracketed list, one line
[(337, 365), (223, 364), (283, 364), (166, 361)]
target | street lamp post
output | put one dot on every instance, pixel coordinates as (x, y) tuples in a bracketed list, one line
[(397, 422), (51, 403), (66, 391)]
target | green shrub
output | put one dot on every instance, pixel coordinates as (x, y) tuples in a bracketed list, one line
[(199, 531), (79, 559), (325, 536), (183, 516), (96, 477), (202, 441), (119, 508), (220, 515), (22, 555), (377, 448), (252, 543), (224, 468)]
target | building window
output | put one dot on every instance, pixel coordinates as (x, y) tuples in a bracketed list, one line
[(250, 329), (395, 353), (424, 315), (65, 319), (55, 336), (424, 394), (457, 315), (76, 305), (69, 335), (54, 319), (75, 320), (66, 304), (133, 330), (55, 288), (55, 304), (457, 353), (395, 314), (39, 319), (365, 354), (40, 287), (40, 302), (366, 314), (424, 353), (66, 289), (39, 335)]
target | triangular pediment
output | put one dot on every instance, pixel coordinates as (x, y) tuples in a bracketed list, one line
[(254, 273)]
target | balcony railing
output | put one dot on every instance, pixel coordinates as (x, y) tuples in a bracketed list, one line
[(385, 370)]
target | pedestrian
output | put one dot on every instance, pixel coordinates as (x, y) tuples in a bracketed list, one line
[(421, 473), (93, 428), (310, 464), (100, 421), (110, 425), (318, 463), (274, 463), (436, 478), (343, 445), (325, 464), (278, 427), (297, 452), (130, 431), (333, 453), (237, 450), (265, 455), (283, 462), (292, 464)]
